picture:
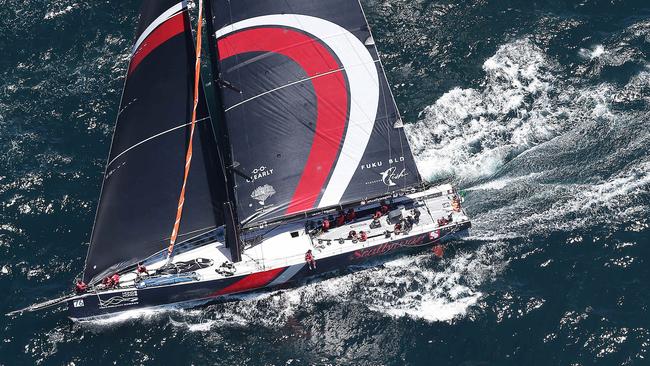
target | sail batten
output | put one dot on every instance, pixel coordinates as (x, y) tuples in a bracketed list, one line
[(311, 118)]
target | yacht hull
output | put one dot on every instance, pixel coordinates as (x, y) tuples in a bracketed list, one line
[(110, 303)]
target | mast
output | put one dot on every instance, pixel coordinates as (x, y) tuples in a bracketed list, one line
[(233, 241)]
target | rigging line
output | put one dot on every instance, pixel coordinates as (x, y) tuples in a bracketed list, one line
[(286, 85), (202, 230), (188, 156), (153, 137), (205, 230)]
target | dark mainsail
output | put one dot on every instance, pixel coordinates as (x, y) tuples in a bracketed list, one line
[(145, 167), (311, 119)]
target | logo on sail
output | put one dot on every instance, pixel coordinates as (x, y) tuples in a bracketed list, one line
[(260, 172), (390, 175), (262, 193)]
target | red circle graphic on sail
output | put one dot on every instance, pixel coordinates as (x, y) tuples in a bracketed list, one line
[(331, 91)]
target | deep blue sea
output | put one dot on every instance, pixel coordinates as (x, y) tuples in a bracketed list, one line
[(539, 110)]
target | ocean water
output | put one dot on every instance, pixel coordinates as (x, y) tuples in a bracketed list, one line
[(539, 110)]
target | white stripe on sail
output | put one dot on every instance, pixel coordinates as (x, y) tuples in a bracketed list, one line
[(284, 86), (160, 20), (364, 89), (153, 137)]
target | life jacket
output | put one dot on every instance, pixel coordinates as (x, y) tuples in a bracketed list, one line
[(340, 220), (351, 215), (326, 224), (80, 287), (115, 279)]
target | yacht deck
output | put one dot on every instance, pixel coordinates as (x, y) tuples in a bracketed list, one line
[(286, 244)]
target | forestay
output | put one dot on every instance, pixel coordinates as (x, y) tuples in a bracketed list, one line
[(145, 169), (311, 119)]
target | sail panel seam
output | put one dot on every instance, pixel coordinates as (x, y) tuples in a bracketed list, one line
[(288, 85), (153, 137)]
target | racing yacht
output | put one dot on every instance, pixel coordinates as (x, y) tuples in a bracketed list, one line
[(297, 166)]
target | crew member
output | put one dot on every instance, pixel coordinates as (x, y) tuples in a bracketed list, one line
[(363, 236), (311, 262), (80, 287), (142, 269), (326, 225), (409, 223), (352, 235), (340, 219), (384, 207), (398, 228), (107, 282), (416, 214), (115, 278), (455, 204), (351, 215)]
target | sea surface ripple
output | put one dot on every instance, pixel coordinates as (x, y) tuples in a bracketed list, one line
[(540, 111)]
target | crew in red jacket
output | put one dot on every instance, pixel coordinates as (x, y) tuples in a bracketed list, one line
[(115, 279), (363, 236), (340, 219), (384, 207), (326, 225), (398, 228), (142, 269), (80, 287), (351, 215), (311, 262)]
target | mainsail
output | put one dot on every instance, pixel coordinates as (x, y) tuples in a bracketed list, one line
[(145, 167), (311, 119)]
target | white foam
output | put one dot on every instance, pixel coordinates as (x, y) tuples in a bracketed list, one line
[(553, 207), (502, 183), (56, 13), (470, 133), (592, 53), (147, 314), (410, 286)]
